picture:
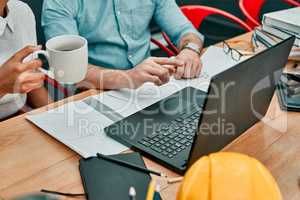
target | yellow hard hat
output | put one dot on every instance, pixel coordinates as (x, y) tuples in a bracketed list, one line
[(228, 176)]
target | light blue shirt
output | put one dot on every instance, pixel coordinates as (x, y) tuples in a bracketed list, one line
[(117, 31)]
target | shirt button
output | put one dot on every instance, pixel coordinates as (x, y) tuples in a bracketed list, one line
[(130, 56), (119, 12)]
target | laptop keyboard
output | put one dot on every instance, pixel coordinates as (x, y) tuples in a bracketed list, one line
[(174, 137)]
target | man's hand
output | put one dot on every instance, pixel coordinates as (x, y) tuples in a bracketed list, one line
[(19, 77), (192, 64), (155, 70)]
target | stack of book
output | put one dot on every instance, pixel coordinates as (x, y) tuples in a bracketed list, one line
[(288, 91), (283, 24)]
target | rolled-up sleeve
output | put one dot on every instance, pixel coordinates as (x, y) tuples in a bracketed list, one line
[(60, 17), (172, 21)]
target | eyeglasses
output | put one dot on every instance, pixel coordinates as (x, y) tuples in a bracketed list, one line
[(235, 54)]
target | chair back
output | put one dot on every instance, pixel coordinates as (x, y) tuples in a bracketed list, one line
[(196, 14), (293, 2), (252, 9)]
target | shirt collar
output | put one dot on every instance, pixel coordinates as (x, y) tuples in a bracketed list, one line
[(7, 21)]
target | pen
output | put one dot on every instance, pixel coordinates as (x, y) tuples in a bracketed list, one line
[(129, 165), (132, 193)]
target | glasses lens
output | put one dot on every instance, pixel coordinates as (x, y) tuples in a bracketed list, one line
[(236, 55), (226, 48)]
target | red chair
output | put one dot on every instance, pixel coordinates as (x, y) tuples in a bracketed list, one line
[(196, 14), (293, 2), (57, 86), (251, 9)]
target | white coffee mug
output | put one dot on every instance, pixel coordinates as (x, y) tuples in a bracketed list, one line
[(67, 56)]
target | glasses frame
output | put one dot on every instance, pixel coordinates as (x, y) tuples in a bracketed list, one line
[(231, 51)]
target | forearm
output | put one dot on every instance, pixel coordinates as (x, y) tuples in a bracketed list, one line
[(190, 38), (38, 98), (104, 79)]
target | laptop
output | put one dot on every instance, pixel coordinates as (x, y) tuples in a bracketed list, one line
[(189, 124)]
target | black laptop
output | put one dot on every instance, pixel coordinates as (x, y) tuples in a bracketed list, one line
[(189, 124)]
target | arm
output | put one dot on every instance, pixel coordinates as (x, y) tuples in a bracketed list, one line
[(39, 97), (181, 31), (60, 17), (155, 70)]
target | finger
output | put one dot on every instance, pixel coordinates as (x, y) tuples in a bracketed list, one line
[(22, 54), (168, 61), (179, 73), (194, 68), (33, 64), (188, 69), (199, 69), (28, 87), (170, 68), (31, 77), (159, 71), (153, 79)]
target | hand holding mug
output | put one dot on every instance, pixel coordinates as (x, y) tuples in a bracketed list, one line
[(67, 56), (17, 76)]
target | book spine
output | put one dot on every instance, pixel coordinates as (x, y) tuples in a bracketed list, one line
[(279, 34)]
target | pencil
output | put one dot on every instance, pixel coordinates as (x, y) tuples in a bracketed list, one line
[(129, 165), (151, 190)]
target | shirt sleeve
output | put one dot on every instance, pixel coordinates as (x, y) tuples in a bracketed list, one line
[(60, 17), (172, 21), (31, 26)]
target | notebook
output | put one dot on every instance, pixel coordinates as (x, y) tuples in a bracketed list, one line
[(285, 19), (103, 180)]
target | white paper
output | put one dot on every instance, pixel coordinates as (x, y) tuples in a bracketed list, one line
[(80, 127), (129, 101)]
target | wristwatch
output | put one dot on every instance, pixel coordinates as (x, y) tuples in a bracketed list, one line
[(194, 47)]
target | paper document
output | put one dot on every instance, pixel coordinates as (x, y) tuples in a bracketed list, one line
[(129, 101), (80, 124), (80, 127)]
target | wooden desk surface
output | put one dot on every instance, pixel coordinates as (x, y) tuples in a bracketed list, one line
[(31, 160)]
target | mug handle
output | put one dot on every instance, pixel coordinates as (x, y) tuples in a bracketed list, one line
[(47, 56)]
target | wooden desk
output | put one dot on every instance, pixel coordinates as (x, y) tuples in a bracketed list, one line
[(31, 160)]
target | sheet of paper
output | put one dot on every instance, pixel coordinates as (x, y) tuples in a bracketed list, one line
[(129, 101), (80, 127)]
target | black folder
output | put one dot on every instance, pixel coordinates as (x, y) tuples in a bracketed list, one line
[(105, 180)]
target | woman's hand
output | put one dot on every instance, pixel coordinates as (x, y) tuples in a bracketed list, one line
[(19, 77)]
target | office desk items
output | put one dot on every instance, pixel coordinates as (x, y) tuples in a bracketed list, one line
[(132, 193), (288, 92), (177, 140), (228, 176), (62, 193), (129, 165), (103, 179), (51, 165), (283, 24), (129, 101), (264, 38), (151, 190), (80, 127)]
